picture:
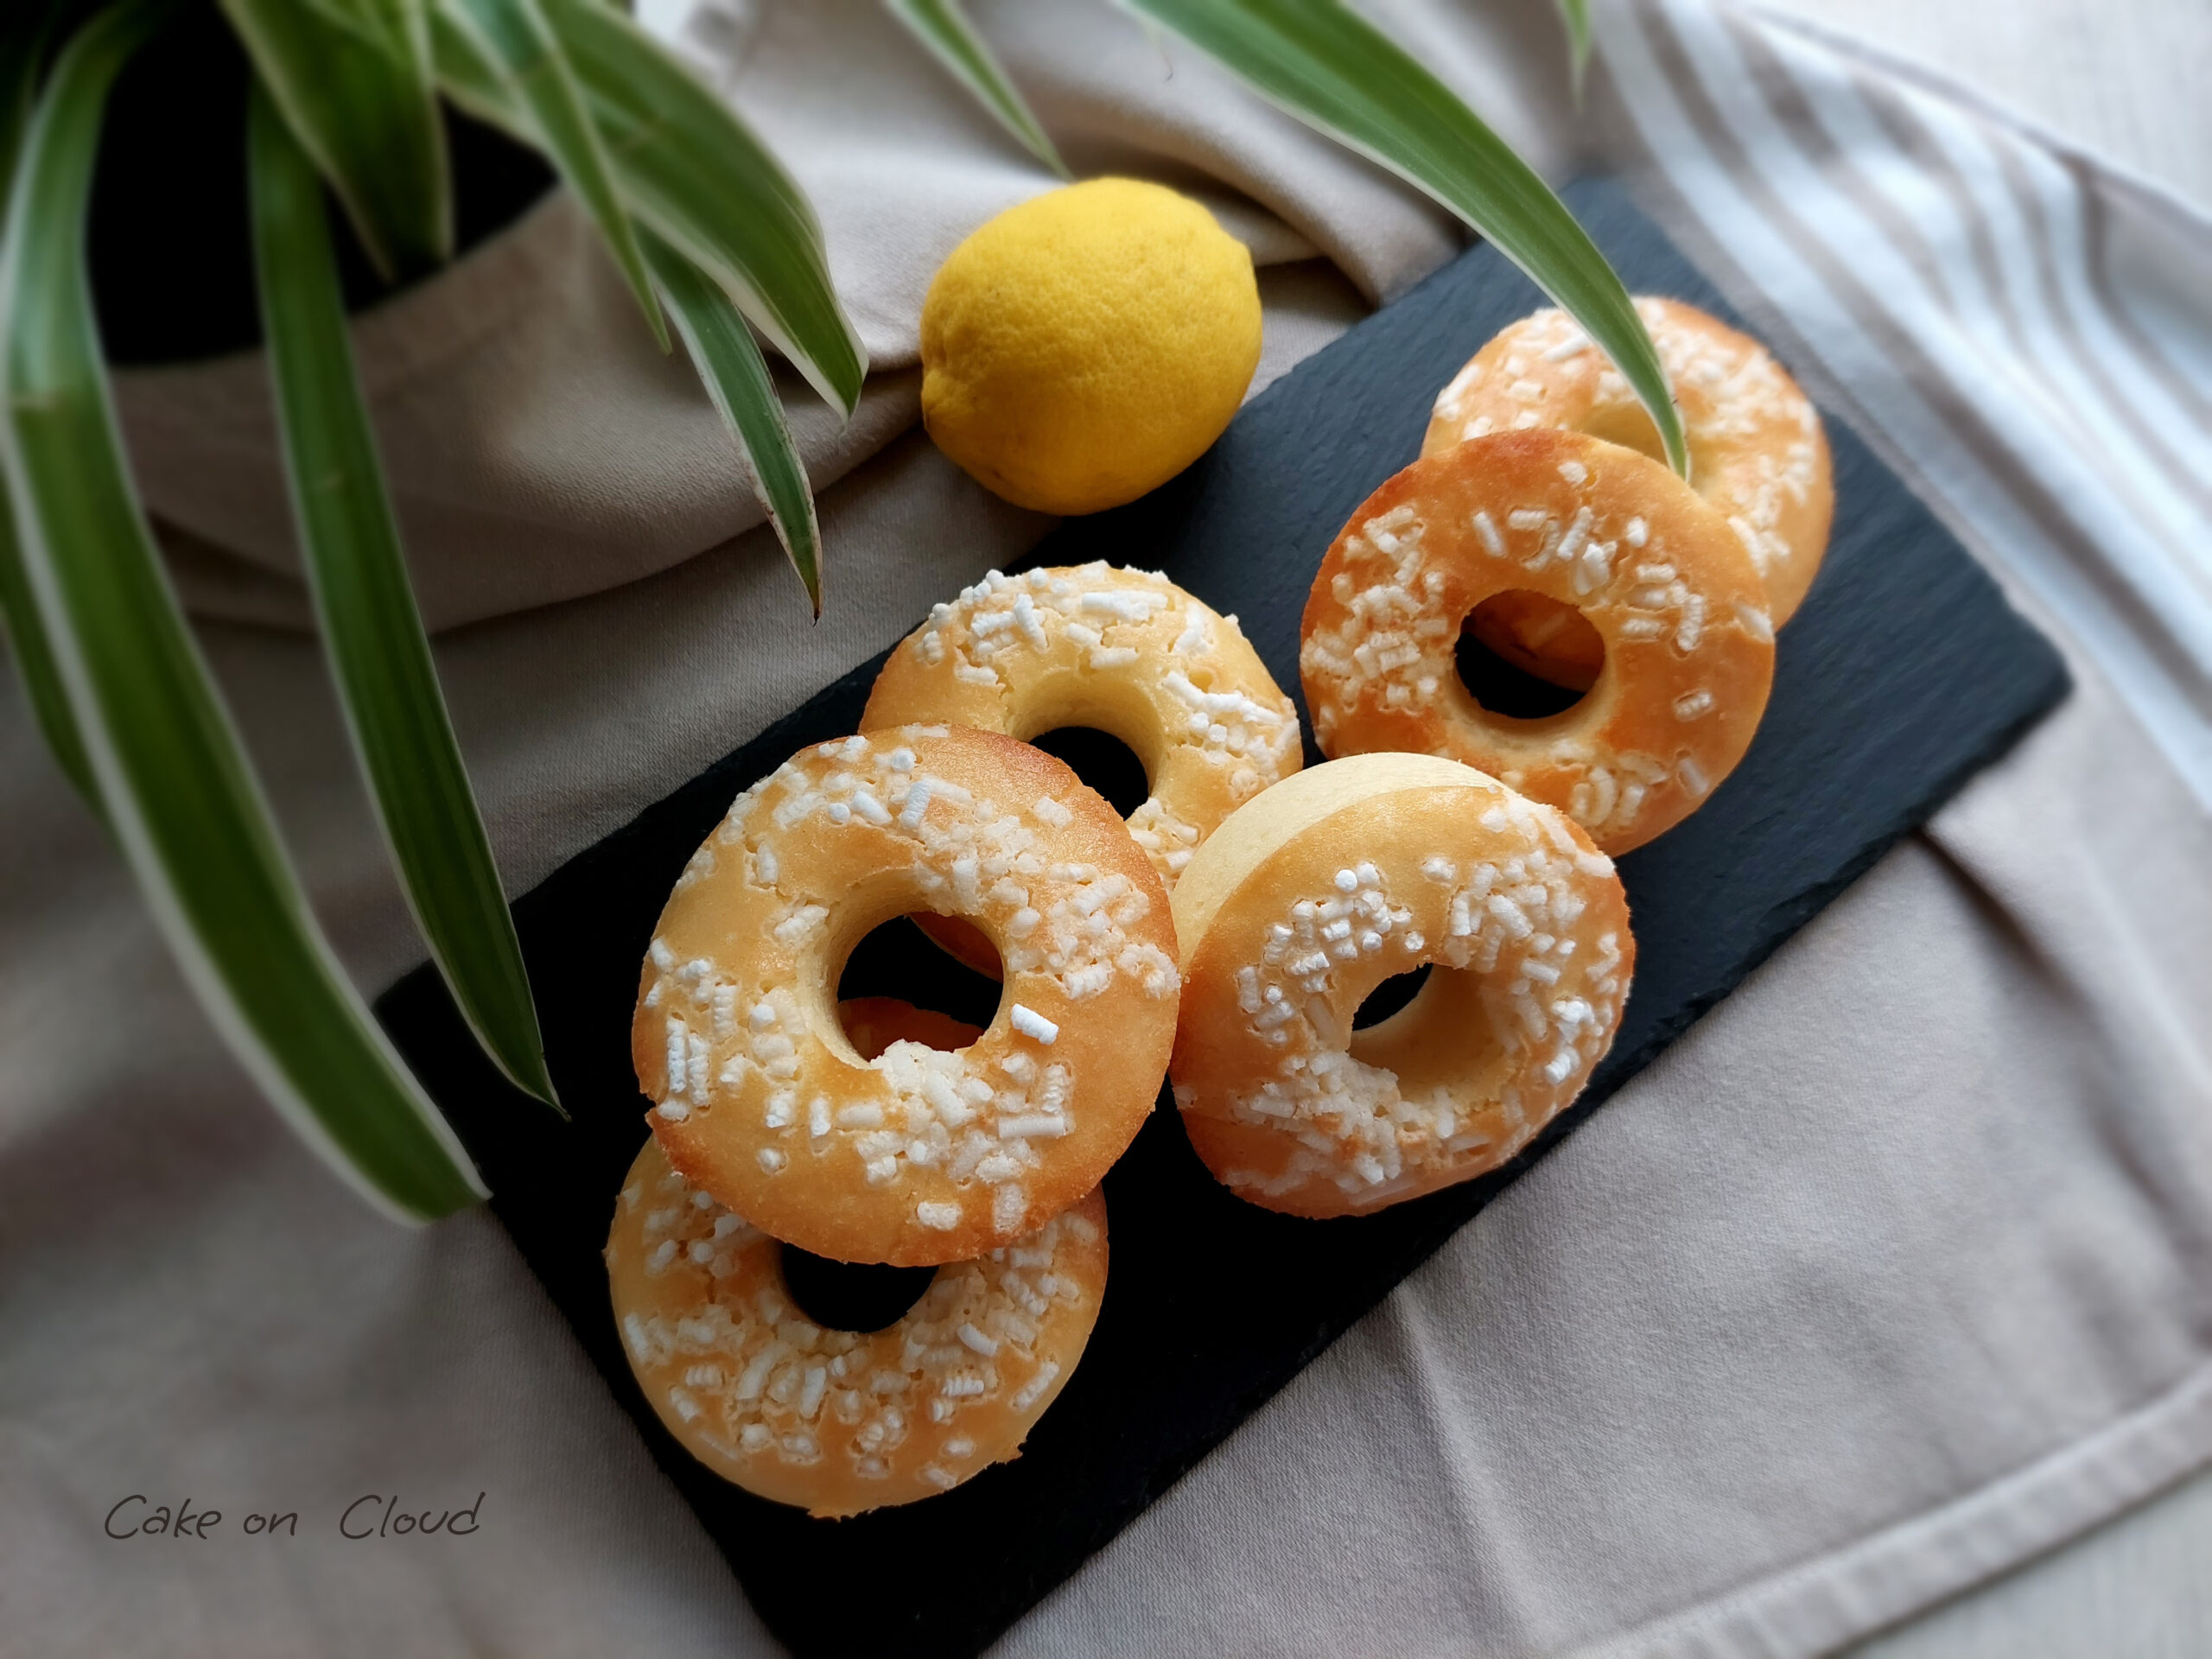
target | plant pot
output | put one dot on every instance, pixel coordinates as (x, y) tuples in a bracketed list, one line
[(169, 241)]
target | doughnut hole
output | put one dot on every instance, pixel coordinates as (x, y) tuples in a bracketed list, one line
[(1526, 655), (1105, 733), (1627, 422), (1108, 764), (863, 1296), (1441, 1035), (896, 960), (1103, 761), (1103, 728), (1388, 998)]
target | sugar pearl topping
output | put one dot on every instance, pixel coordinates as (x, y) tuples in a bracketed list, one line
[(716, 1339), (736, 1036), (1664, 589), (1392, 640), (1736, 400), (1394, 635), (1511, 916), (1110, 622)]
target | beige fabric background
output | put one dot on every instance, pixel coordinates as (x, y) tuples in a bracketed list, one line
[(2123, 81), (1921, 1207)]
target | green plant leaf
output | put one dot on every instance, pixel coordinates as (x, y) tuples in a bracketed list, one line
[(380, 655), (359, 96), (22, 39), (944, 27), (515, 35), (34, 654), (185, 807), (1332, 69), (394, 27), (694, 173), (1575, 13), (736, 377)]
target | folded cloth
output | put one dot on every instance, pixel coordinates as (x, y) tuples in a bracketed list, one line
[(1891, 1273)]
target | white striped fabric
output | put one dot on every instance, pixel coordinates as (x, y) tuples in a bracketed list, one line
[(1989, 308)]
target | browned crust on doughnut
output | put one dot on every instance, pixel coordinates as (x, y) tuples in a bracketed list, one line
[(739, 986), (1689, 653), (1757, 454), (842, 1422), (1525, 927)]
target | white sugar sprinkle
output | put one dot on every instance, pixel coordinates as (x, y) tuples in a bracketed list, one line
[(917, 803), (1128, 606), (1030, 1391)]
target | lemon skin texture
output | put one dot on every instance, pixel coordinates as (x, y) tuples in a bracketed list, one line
[(1087, 346)]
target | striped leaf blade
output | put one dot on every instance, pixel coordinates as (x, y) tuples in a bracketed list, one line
[(372, 631), (952, 38), (1325, 64), (694, 173), (22, 39), (515, 35), (185, 807), (702, 179), (736, 378), (359, 94)]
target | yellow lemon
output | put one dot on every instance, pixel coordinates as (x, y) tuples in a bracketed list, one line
[(1088, 345)]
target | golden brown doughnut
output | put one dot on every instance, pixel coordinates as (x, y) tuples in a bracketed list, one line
[(919, 1156), (842, 1421), (1690, 654), (1126, 652), (1757, 454), (1337, 879)]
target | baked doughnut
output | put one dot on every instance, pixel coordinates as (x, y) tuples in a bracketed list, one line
[(1126, 652), (1332, 882), (1757, 454), (919, 1156), (1689, 653), (842, 1421)]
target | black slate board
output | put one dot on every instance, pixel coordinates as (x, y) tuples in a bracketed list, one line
[(1903, 674)]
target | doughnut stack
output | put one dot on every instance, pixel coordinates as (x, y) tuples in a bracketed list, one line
[(877, 1132), (1224, 935), (1538, 519)]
